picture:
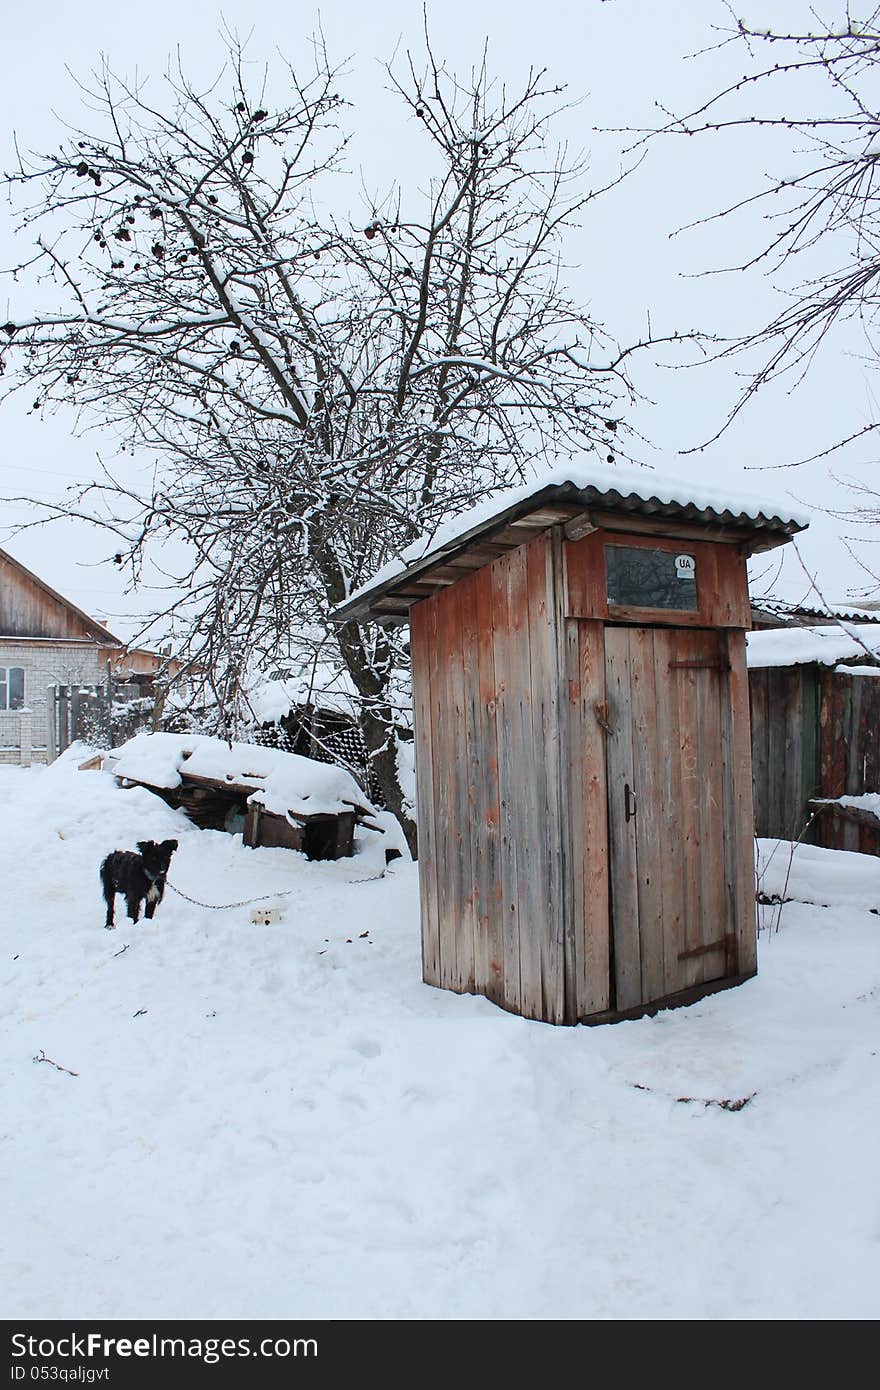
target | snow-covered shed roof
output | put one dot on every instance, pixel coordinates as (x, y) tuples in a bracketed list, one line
[(813, 646), (283, 783), (802, 615), (509, 518)]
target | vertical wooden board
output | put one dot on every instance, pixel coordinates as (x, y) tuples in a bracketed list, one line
[(758, 699), (650, 837), (586, 595), (690, 829), (708, 582), (741, 849), (715, 898), (574, 830), (424, 761), (444, 756), (507, 780), (460, 686), (669, 782), (809, 738), (733, 832), (570, 915), (593, 937), (855, 736), (790, 712), (832, 723), (622, 833), (776, 753), (488, 947), (871, 749), (527, 764), (733, 609), (548, 830)]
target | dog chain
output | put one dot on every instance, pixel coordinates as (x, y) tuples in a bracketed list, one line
[(246, 902), (221, 907)]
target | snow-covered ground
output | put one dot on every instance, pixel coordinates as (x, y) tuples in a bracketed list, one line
[(283, 1121)]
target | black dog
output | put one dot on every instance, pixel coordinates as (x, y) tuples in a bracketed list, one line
[(139, 877)]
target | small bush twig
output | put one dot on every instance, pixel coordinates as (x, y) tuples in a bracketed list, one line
[(57, 1065)]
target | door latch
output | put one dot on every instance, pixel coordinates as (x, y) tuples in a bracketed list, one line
[(629, 803)]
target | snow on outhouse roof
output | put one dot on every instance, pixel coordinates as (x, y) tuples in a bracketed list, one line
[(813, 646), (283, 783), (560, 494)]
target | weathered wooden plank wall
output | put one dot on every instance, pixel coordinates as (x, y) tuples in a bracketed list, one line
[(848, 754), (784, 741), (484, 660), (815, 733)]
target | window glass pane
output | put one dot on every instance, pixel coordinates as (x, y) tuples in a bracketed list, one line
[(16, 687), (3, 687), (643, 578)]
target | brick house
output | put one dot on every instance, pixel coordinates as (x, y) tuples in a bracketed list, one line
[(46, 641)]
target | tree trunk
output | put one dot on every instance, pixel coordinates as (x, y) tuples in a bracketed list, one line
[(377, 726)]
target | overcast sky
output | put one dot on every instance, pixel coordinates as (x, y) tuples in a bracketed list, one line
[(618, 58)]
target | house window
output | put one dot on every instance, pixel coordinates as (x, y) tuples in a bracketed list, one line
[(11, 687), (639, 577)]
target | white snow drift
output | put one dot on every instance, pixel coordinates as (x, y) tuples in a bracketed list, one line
[(283, 1121)]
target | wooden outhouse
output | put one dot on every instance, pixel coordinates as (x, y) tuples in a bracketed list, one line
[(582, 741)]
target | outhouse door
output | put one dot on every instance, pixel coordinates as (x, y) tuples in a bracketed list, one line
[(670, 811)]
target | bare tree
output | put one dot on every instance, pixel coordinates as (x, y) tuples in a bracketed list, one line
[(819, 83), (315, 388)]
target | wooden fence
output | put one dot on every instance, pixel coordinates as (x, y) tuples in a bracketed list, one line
[(815, 734), (77, 712)]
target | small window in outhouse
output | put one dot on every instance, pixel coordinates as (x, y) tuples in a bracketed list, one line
[(638, 577)]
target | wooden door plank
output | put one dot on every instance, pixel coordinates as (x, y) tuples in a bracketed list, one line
[(669, 781), (685, 685), (647, 758), (622, 837), (594, 972)]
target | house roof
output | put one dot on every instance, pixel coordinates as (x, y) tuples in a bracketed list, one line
[(509, 518), (93, 628), (824, 645), (785, 613)]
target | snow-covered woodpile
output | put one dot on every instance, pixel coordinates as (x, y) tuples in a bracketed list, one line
[(271, 797)]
